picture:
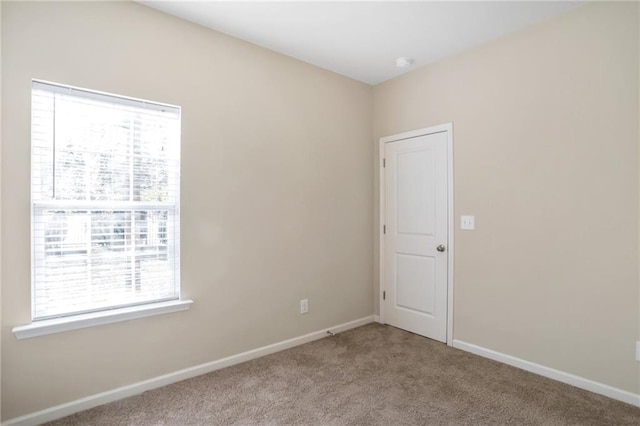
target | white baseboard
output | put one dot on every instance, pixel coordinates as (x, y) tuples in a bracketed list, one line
[(560, 376), (82, 404), (376, 318)]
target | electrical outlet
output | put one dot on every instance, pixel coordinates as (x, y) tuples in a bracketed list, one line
[(638, 350), (304, 306)]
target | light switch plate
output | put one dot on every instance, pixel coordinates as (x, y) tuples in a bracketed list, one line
[(468, 223)]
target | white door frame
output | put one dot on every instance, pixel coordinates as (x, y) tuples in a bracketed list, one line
[(448, 128)]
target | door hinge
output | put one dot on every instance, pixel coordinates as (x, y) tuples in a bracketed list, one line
[(384, 295), (384, 162), (384, 229)]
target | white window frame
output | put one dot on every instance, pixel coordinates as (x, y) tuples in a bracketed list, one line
[(107, 315)]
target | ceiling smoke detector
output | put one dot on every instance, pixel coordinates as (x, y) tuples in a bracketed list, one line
[(405, 62)]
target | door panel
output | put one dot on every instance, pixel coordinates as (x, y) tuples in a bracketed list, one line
[(416, 214), (413, 291), (415, 189)]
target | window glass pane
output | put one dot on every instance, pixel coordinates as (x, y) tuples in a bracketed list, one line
[(92, 151), (99, 258)]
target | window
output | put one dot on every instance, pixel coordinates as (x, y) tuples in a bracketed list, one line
[(105, 201)]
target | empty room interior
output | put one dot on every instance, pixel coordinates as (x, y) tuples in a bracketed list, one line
[(320, 212)]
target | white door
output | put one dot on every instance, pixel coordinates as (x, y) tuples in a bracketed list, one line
[(416, 215)]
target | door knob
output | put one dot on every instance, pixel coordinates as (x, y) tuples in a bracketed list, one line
[(441, 248)]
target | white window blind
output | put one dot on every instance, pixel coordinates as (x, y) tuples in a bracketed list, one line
[(105, 179)]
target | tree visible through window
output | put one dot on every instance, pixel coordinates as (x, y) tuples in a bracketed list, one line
[(105, 201)]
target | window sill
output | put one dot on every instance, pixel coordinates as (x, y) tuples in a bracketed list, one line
[(58, 325)]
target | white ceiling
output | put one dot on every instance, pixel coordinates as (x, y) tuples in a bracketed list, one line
[(362, 40)]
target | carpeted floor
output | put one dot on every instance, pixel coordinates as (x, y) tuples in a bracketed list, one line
[(372, 375)]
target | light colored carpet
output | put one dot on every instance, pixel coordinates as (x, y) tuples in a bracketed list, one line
[(372, 375)]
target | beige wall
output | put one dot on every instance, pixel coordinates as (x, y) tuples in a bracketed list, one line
[(276, 194), (546, 158)]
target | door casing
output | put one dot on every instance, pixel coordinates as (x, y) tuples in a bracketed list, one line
[(448, 128)]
